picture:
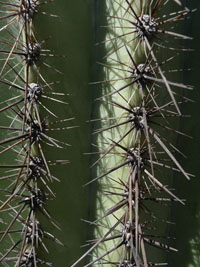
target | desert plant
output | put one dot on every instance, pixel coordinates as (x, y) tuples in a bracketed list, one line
[(45, 91), (139, 103), (138, 106)]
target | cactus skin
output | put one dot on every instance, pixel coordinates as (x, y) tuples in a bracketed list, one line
[(69, 192), (64, 262), (188, 217), (130, 138)]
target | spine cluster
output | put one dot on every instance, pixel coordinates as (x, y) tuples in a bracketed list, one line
[(26, 177), (140, 107)]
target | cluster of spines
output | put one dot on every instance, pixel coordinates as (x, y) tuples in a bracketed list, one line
[(26, 185), (134, 145)]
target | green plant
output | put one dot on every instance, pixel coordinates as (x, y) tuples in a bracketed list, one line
[(138, 104), (20, 159)]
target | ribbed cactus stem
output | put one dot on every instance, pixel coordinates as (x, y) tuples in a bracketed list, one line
[(130, 140)]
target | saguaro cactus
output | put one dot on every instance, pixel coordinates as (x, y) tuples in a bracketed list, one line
[(139, 102), (35, 97)]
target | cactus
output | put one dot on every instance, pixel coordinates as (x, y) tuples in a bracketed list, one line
[(45, 91), (138, 105)]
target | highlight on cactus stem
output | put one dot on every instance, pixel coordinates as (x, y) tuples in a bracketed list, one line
[(139, 106)]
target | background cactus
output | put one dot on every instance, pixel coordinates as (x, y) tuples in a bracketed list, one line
[(76, 82)]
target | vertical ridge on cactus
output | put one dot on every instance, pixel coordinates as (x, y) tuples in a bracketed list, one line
[(132, 143), (31, 127), (26, 196)]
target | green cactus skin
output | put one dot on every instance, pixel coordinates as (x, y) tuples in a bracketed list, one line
[(71, 203), (76, 44), (186, 230), (75, 24), (115, 138)]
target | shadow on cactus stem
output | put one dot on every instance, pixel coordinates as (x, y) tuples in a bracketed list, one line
[(187, 229)]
